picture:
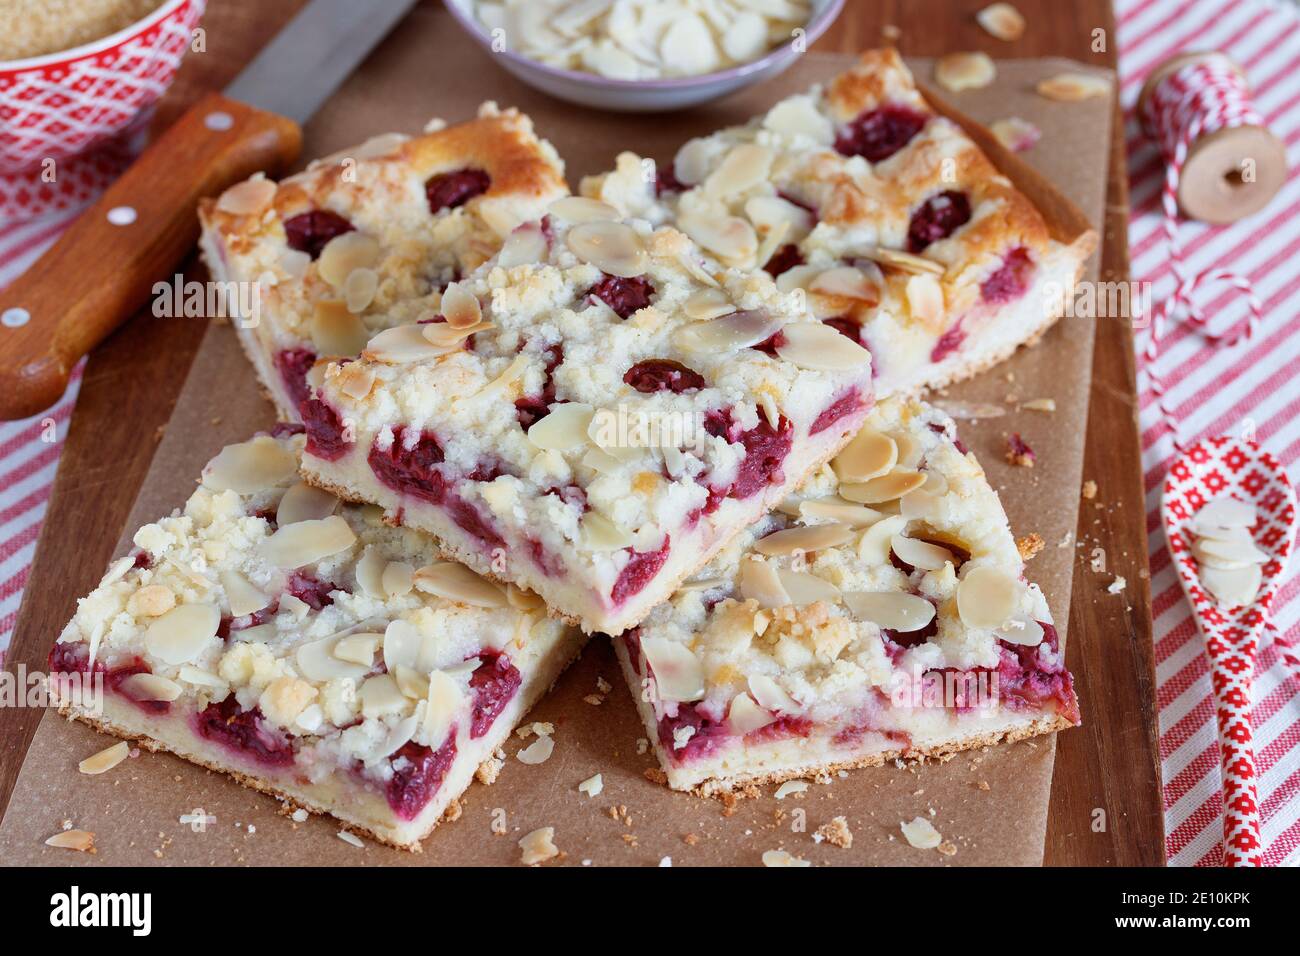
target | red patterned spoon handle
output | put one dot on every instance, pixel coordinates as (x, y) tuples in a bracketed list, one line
[(1232, 662)]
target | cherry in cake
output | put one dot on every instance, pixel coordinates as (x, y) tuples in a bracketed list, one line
[(674, 400), (880, 613), (273, 631)]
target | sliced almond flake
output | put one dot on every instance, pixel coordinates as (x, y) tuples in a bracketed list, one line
[(250, 467), (837, 509), (241, 595), (612, 247), (1016, 134), (965, 71), (736, 330), (895, 610), (707, 304), (1226, 513), (799, 277), (921, 554), (803, 539), (1234, 550), (358, 648), (448, 337), (370, 572), (771, 695), (179, 635), (307, 542), (744, 716), (355, 380), (744, 167), (460, 307), (379, 696), (1003, 21), (806, 588), (697, 271), (249, 198), (359, 289), (783, 858), (199, 677), (770, 410), (905, 261), (921, 834), (538, 752), (678, 673), (564, 429), (987, 597), (82, 840), (592, 786), (344, 253), (1232, 588), (336, 330), (601, 534), (351, 839), (888, 487), (303, 502), (759, 582), (730, 238), (1024, 631), (691, 163), (446, 699), (117, 570), (150, 687), (869, 455), (909, 450), (601, 461), (773, 239), (1040, 405), (524, 246), (152, 601), (538, 846), (402, 344), (703, 584), (798, 116), (789, 787), (1072, 87), (874, 545), (455, 582), (768, 213), (106, 759), (925, 299), (821, 348), (576, 209), (398, 579), (847, 282), (319, 660), (398, 736), (503, 382)]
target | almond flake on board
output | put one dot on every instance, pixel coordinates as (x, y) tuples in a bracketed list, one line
[(921, 834), (106, 759), (1016, 134), (1003, 21), (783, 858), (1072, 87), (538, 846), (80, 840), (965, 71)]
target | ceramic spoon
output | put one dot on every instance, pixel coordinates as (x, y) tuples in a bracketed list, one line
[(1230, 517)]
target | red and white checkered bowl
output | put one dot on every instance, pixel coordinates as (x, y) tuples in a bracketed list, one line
[(66, 104)]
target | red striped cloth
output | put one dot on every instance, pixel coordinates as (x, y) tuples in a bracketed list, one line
[(1214, 392)]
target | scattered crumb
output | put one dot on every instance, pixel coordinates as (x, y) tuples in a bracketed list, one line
[(592, 786), (1090, 489), (983, 785), (299, 816), (789, 787), (837, 833), (1018, 452), (453, 812), (782, 858), (594, 699), (539, 751), (642, 745), (1118, 585), (538, 846), (487, 771), (1030, 545), (889, 32), (947, 848), (1040, 405), (603, 686), (691, 839), (666, 861), (655, 775)]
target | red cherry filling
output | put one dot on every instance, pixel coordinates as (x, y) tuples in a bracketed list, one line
[(948, 343), (229, 625), (659, 375), (1012, 278), (494, 682), (293, 366), (414, 471), (666, 181), (848, 403), (783, 728), (287, 429), (418, 772), (326, 436), (641, 567), (72, 658), (623, 295), (846, 327), (898, 641), (315, 594), (878, 134), (309, 232), (708, 736), (783, 260), (766, 449), (937, 218), (243, 730), (450, 190), (1022, 678)]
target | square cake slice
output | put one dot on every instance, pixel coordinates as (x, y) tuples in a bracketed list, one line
[(312, 652), (881, 613), (592, 415), (367, 239), (897, 226)]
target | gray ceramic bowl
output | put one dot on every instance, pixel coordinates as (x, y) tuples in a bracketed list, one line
[(645, 96)]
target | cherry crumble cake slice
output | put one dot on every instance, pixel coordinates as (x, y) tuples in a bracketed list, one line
[(592, 415), (307, 649), (368, 238), (880, 613), (901, 231)]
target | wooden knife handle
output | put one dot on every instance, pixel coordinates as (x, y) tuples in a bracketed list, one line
[(103, 268)]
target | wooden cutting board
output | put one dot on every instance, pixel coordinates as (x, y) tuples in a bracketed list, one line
[(1110, 765)]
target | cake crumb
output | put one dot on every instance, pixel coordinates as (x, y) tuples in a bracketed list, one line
[(947, 848), (837, 833), (1018, 453), (656, 775), (1089, 489), (1118, 585), (487, 771), (691, 839), (1030, 545)]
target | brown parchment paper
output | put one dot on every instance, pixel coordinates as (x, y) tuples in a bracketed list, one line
[(990, 805)]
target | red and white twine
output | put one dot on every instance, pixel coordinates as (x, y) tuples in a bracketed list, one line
[(1193, 101)]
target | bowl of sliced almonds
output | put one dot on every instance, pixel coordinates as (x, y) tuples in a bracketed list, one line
[(644, 55)]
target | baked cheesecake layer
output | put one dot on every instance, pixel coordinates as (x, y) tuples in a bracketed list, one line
[(272, 632), (368, 238), (594, 415), (898, 228), (882, 612)]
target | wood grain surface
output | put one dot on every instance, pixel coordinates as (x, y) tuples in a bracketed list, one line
[(132, 381)]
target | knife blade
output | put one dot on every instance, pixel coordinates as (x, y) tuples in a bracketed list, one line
[(104, 266)]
